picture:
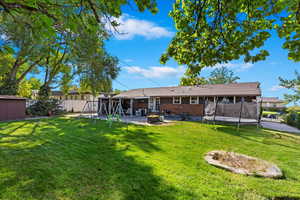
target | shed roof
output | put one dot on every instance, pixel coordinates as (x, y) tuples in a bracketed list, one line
[(232, 89), (11, 97)]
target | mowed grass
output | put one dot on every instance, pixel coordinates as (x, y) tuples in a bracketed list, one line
[(68, 158)]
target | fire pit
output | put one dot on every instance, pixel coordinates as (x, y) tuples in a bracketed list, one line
[(153, 119), (243, 164)]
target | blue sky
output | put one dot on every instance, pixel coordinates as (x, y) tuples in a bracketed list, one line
[(146, 36)]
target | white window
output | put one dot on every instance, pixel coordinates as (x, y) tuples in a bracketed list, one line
[(176, 100), (157, 103), (151, 103), (194, 100)]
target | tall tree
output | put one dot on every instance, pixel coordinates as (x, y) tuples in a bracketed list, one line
[(218, 31), (55, 65), (99, 73), (222, 75), (293, 85)]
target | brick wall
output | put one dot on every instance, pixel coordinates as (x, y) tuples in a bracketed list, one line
[(140, 103), (177, 109), (166, 100)]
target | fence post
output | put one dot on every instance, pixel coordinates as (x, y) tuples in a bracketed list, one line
[(131, 107)]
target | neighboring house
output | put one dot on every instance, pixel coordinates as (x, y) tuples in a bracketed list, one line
[(73, 95), (272, 102), (184, 99)]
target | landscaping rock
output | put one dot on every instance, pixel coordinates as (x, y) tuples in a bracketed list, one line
[(243, 164)]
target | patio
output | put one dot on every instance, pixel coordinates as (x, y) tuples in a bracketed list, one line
[(139, 120)]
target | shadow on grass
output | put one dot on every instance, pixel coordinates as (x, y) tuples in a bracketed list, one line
[(79, 159)]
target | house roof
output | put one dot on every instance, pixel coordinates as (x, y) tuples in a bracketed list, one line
[(232, 89), (11, 97), (272, 100)]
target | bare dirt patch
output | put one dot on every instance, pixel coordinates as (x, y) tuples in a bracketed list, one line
[(243, 164)]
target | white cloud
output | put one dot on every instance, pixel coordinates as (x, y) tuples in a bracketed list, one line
[(276, 88), (130, 27), (236, 66), (156, 71), (128, 60)]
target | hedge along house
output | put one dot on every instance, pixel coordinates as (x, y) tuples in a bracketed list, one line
[(190, 100)]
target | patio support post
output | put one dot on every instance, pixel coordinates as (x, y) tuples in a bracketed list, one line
[(154, 105), (109, 105), (234, 99), (216, 108), (131, 107), (204, 104), (241, 110), (120, 106)]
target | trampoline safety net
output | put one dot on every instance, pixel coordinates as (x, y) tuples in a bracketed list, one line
[(244, 112)]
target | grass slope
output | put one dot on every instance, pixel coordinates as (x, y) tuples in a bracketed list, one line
[(64, 158)]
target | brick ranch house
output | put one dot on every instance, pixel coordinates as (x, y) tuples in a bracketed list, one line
[(178, 100)]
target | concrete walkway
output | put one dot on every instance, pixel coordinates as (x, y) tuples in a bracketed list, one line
[(280, 127)]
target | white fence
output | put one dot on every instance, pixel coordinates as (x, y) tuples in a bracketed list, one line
[(73, 105)]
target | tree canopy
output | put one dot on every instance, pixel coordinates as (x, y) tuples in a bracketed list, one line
[(68, 15), (27, 86), (218, 31)]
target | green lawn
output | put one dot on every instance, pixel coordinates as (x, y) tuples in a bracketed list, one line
[(67, 159)]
